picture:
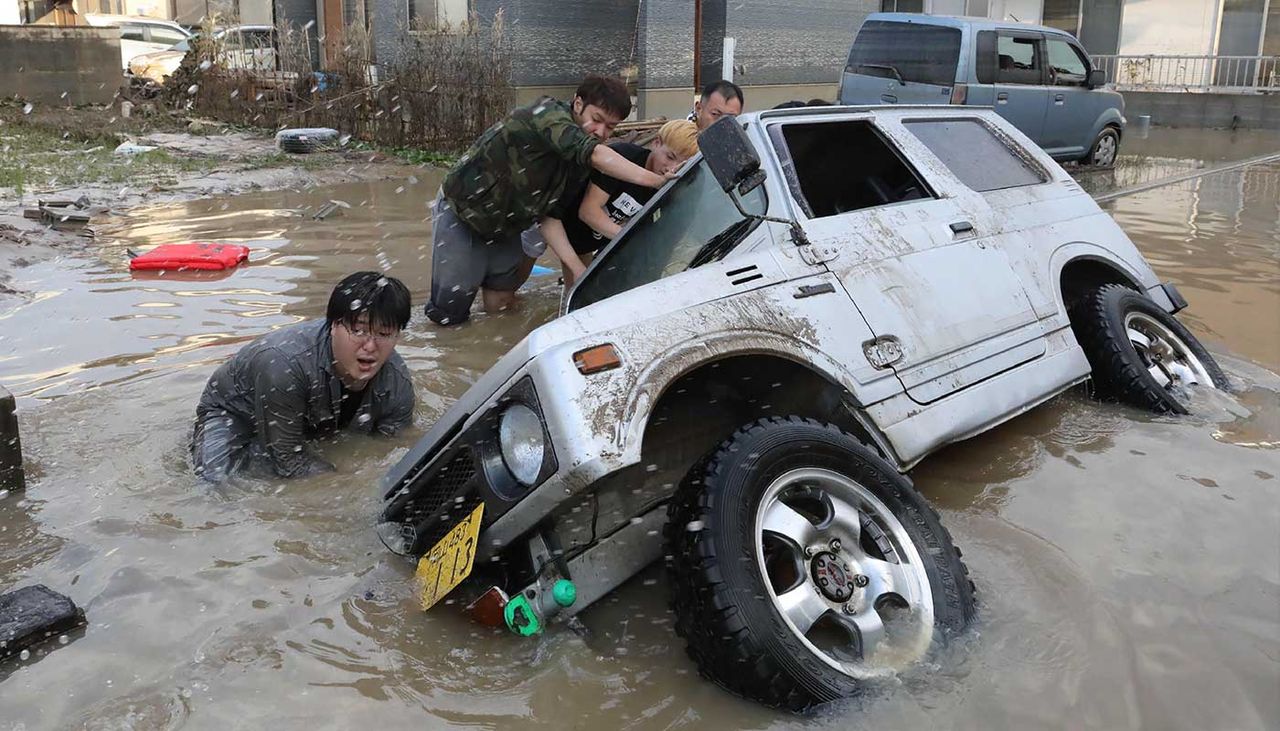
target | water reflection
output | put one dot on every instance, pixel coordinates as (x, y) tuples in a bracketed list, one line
[(1128, 566)]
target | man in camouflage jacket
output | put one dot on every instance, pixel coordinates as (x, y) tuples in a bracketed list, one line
[(515, 176)]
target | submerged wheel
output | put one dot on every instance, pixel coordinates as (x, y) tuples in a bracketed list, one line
[(1139, 353), (801, 564), (1105, 148)]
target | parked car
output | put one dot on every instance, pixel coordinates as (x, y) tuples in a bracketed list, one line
[(244, 47), (139, 35), (1038, 78), (741, 379)]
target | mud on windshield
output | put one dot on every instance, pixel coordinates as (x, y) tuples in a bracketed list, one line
[(693, 223)]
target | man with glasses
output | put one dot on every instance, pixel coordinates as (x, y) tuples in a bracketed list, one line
[(309, 380)]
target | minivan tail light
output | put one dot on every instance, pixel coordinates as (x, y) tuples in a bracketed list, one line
[(959, 93)]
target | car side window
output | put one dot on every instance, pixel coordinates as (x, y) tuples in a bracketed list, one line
[(1066, 66), (168, 36), (132, 32), (975, 155), (258, 39), (1017, 61), (838, 167)]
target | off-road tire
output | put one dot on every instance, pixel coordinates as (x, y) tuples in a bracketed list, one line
[(734, 633), (1119, 374)]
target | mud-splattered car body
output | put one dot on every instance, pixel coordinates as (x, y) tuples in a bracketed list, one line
[(923, 300)]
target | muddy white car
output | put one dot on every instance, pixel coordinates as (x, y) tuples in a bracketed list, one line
[(742, 378)]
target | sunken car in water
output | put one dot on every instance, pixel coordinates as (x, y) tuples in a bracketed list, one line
[(741, 380)]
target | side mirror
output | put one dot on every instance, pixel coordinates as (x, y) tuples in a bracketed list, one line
[(732, 158), (1097, 78)]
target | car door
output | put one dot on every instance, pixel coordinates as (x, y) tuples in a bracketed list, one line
[(133, 42), (946, 306), (1073, 107), (1020, 94)]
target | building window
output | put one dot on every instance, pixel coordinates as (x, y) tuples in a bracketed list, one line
[(902, 6), (435, 14), (1063, 15)]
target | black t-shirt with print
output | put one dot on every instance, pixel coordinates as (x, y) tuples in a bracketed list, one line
[(625, 200)]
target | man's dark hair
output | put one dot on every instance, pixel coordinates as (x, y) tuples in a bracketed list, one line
[(385, 299), (726, 89), (793, 104), (607, 92)]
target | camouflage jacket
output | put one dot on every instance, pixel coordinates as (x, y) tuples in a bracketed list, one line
[(520, 169)]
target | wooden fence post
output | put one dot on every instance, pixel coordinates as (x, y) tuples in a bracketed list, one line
[(11, 475)]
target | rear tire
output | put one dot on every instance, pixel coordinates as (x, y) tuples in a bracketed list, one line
[(1105, 149), (1140, 354), (877, 580)]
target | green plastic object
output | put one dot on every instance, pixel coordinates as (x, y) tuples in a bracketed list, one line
[(520, 617), (564, 592)]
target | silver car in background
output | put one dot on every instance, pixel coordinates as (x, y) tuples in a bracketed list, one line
[(1039, 78)]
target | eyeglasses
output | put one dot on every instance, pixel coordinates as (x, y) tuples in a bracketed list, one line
[(363, 334)]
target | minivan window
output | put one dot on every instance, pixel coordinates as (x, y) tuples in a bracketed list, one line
[(132, 32), (838, 167), (976, 156), (922, 54), (1065, 63), (1016, 60), (161, 34)]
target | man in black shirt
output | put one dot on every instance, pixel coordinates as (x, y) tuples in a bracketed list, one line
[(600, 210), (309, 380)]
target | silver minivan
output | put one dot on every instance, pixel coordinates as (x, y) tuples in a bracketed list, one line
[(1038, 78)]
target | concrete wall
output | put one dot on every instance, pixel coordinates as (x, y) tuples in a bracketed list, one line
[(786, 43), (1186, 109), (39, 63)]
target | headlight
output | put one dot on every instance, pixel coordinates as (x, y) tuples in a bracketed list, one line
[(521, 438)]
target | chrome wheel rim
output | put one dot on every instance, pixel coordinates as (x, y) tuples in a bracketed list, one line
[(1106, 152), (1166, 357), (843, 574)]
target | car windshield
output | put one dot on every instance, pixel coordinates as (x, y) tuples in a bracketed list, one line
[(695, 222)]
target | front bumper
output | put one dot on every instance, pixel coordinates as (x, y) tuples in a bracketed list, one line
[(468, 470)]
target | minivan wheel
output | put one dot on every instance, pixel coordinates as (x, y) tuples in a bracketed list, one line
[(1105, 148), (1139, 353), (801, 563)]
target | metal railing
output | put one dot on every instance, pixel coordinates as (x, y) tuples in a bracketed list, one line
[(1230, 74)]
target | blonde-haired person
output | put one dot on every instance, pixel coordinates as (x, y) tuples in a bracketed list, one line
[(594, 217)]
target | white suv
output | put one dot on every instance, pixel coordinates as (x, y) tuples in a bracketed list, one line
[(744, 375)]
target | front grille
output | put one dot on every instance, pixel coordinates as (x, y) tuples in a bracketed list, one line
[(442, 502)]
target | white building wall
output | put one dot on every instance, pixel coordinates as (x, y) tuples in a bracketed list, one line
[(1169, 27)]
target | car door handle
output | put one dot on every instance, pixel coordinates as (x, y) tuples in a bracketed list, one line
[(1059, 99), (888, 98), (811, 290), (961, 227), (1002, 96)]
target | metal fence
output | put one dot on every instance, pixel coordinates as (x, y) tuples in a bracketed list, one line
[(1230, 74)]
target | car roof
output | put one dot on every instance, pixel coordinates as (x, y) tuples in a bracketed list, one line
[(953, 21), (106, 18), (915, 110)]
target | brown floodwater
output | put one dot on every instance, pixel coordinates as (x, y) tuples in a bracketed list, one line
[(1128, 566)]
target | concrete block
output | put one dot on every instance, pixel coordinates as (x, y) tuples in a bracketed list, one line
[(11, 475)]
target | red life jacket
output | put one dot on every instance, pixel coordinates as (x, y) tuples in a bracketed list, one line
[(195, 255)]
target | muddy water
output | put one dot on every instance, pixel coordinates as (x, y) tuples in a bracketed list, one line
[(1128, 566)]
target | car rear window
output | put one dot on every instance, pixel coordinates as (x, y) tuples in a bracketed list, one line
[(976, 156), (923, 54)]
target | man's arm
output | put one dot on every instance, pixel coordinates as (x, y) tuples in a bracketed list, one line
[(609, 162), (593, 214), (280, 407), (553, 233)]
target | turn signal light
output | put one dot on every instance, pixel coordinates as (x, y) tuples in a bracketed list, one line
[(594, 360)]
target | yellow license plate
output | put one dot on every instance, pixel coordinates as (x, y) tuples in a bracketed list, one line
[(449, 561)]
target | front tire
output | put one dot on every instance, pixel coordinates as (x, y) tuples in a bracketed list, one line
[(1140, 354), (801, 563)]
